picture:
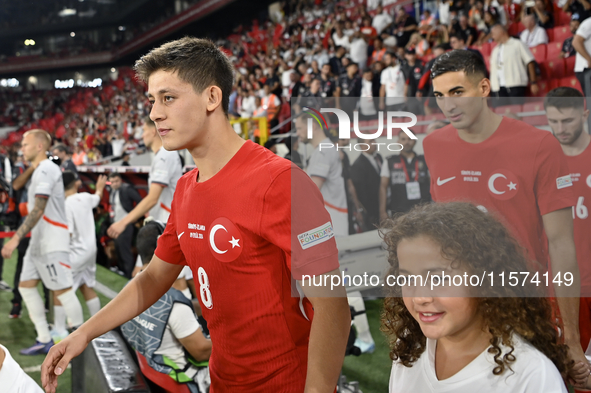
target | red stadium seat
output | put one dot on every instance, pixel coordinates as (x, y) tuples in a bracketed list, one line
[(569, 65), (534, 106), (553, 68), (550, 33), (535, 120), (561, 33), (485, 49), (553, 84), (562, 18), (544, 88), (487, 62), (571, 81), (516, 28), (553, 50), (539, 52)]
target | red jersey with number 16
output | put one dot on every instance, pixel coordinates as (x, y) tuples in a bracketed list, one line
[(580, 172), (519, 172), (247, 233)]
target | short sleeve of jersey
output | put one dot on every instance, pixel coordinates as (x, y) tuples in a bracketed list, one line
[(93, 200), (45, 185), (182, 321), (285, 224), (169, 248), (584, 30), (319, 164), (384, 78), (160, 173), (553, 185)]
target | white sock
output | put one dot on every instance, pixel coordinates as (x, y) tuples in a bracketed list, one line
[(36, 309), (94, 305), (59, 320), (72, 307), (360, 321)]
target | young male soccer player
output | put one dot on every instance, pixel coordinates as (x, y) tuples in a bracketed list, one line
[(505, 166), (249, 224), (82, 246), (565, 109), (47, 257)]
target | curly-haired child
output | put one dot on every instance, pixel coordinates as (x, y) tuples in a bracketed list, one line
[(485, 339)]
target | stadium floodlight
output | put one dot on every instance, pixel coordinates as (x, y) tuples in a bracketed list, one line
[(67, 12)]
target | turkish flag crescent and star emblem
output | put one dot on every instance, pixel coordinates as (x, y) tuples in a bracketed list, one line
[(225, 240), (502, 184)]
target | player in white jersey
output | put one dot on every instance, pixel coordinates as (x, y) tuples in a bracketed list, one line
[(82, 246), (166, 170), (47, 257)]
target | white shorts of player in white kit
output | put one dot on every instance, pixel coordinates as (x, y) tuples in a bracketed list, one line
[(83, 270), (53, 269)]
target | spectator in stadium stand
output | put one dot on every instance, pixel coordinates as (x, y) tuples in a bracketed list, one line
[(79, 157), (461, 26), (197, 117), (543, 14), (393, 85), (249, 104), (123, 198), (125, 159), (533, 35), (13, 378), (419, 44), (348, 87), (61, 151), (511, 67), (405, 180), (413, 70), (490, 19), (117, 143), (404, 26), (365, 175), (381, 21), (336, 62), (272, 105), (567, 46), (579, 7), (582, 44), (370, 91), (378, 50), (565, 109), (311, 98), (168, 333), (456, 41), (273, 82), (427, 22), (512, 11), (47, 257), (327, 81), (164, 174), (531, 199), (339, 37), (359, 49)]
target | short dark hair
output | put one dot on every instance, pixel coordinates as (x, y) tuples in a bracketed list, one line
[(196, 61), (457, 37), (114, 174), (459, 60), (147, 240), (61, 148), (69, 179), (564, 97)]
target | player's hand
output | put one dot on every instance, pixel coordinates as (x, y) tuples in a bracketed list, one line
[(535, 89), (9, 248), (579, 374), (59, 357), (116, 229)]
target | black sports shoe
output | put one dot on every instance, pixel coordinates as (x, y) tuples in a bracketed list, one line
[(16, 311)]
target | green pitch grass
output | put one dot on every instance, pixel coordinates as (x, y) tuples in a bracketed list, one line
[(371, 370)]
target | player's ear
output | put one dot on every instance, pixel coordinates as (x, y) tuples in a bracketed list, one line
[(214, 97), (585, 114), (484, 87)]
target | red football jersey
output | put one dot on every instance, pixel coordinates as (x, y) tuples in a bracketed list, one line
[(247, 233), (519, 172), (580, 172)]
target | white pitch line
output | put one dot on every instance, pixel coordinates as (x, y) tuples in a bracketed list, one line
[(106, 291), (37, 369)]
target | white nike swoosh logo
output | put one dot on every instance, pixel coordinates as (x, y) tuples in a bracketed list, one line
[(181, 235), (442, 182)]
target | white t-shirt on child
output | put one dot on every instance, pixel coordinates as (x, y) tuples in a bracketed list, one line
[(532, 372)]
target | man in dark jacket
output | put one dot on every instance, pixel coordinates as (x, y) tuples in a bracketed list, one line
[(123, 198)]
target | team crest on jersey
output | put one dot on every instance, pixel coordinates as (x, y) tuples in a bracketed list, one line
[(503, 184), (225, 240)]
